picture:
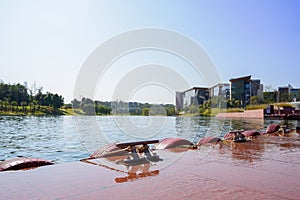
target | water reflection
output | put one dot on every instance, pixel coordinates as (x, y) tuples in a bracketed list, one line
[(249, 151), (249, 124), (134, 172), (137, 172)]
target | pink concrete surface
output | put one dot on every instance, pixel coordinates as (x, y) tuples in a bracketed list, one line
[(266, 168), (247, 114)]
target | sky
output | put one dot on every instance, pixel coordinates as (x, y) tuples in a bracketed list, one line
[(48, 42)]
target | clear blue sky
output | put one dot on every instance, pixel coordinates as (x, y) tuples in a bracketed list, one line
[(48, 41)]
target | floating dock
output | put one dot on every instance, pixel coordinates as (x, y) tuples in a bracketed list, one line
[(266, 168)]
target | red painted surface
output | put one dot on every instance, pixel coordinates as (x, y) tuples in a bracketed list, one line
[(266, 168), (209, 140), (230, 135), (251, 133), (107, 149), (273, 128), (168, 143)]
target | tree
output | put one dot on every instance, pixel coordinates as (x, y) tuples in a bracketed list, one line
[(157, 110), (4, 91), (285, 97), (39, 98), (31, 107), (193, 109), (207, 104), (254, 100), (270, 97), (47, 99), (6, 103), (24, 104), (22, 94), (13, 95), (145, 111), (170, 110), (232, 103), (57, 101), (34, 104), (17, 92), (237, 104), (102, 110), (217, 101), (14, 105)]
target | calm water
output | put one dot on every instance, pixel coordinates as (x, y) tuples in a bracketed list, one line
[(68, 138)]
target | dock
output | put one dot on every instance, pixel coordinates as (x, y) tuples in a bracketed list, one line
[(266, 168)]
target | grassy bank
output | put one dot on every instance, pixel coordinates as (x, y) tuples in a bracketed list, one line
[(43, 111), (36, 111)]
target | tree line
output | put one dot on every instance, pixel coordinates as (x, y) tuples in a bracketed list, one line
[(90, 107), (18, 98)]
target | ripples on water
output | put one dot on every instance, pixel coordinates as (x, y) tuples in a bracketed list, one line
[(68, 138), (52, 138)]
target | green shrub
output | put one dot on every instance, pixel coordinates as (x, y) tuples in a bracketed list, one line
[(256, 106)]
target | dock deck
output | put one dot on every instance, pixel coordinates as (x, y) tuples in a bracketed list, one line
[(266, 168)]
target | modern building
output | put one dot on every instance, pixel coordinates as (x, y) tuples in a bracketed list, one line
[(295, 94), (243, 88), (220, 90), (199, 95), (179, 101), (192, 96), (288, 93)]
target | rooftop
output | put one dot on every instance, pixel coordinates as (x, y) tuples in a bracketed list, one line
[(245, 78)]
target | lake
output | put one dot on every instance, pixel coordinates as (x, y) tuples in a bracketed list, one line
[(71, 138)]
